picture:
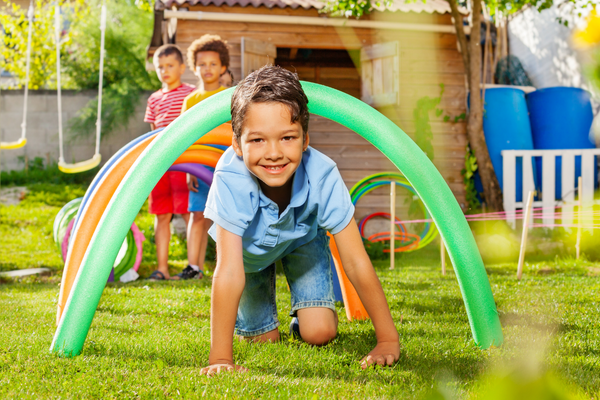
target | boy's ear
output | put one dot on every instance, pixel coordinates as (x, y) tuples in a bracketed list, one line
[(182, 68), (306, 141), (236, 147), (223, 70)]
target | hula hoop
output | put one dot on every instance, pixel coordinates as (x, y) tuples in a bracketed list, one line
[(396, 175), (364, 220), (66, 214), (133, 240), (337, 106), (385, 236), (365, 186), (430, 232)]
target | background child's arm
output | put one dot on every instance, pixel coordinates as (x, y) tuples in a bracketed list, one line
[(192, 183), (227, 287), (360, 271)]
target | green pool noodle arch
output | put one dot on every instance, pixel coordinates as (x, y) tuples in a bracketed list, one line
[(330, 103)]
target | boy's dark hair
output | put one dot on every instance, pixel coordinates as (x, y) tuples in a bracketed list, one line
[(167, 50), (269, 84), (208, 43)]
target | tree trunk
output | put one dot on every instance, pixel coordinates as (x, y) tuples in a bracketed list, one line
[(491, 188), (460, 35)]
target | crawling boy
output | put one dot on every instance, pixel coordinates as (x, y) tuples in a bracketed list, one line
[(273, 198)]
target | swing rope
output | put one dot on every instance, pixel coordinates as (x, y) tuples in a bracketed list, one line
[(99, 120), (95, 160), (23, 141)]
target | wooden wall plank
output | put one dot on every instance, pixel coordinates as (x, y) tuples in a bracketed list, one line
[(410, 17), (316, 37)]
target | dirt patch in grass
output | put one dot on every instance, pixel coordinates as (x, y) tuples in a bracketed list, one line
[(11, 196), (593, 271)]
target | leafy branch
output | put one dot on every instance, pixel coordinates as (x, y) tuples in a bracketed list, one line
[(353, 8), (13, 43)]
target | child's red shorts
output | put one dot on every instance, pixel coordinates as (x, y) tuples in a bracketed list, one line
[(170, 195)]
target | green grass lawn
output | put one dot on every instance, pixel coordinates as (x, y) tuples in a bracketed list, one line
[(149, 340), (26, 231)]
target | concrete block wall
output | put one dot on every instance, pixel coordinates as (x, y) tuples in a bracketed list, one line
[(42, 127), (543, 46)]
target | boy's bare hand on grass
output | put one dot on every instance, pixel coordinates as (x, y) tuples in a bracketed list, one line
[(218, 368), (385, 353), (192, 183)]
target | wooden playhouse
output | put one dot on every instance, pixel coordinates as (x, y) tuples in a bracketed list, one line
[(389, 59)]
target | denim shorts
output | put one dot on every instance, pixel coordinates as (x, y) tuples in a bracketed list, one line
[(308, 273), (197, 200)]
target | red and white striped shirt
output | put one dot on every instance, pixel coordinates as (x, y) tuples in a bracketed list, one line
[(164, 106)]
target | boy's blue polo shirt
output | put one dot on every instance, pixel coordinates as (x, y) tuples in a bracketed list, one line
[(236, 203)]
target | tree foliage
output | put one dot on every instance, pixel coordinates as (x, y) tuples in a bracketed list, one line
[(352, 8), (358, 8), (129, 26), (13, 43)]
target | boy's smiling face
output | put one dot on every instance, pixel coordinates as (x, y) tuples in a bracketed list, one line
[(271, 145)]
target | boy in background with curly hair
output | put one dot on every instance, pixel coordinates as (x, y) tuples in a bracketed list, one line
[(208, 57)]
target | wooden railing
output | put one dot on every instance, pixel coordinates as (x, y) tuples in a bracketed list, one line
[(568, 182)]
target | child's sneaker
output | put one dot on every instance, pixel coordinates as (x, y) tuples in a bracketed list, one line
[(295, 329), (189, 273)]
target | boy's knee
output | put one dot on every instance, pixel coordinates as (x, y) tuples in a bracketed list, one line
[(197, 217), (318, 332), (163, 218)]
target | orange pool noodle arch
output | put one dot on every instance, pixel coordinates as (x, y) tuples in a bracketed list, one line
[(354, 307), (222, 135), (204, 157)]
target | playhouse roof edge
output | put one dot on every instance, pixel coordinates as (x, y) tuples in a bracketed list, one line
[(430, 6)]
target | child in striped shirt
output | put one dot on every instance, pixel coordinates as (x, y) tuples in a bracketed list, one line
[(170, 196)]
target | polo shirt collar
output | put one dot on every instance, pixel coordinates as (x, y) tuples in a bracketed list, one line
[(299, 187)]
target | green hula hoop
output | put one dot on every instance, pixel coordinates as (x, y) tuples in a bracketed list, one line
[(431, 231), (184, 131), (366, 185)]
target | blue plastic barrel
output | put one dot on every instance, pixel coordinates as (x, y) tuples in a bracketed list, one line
[(561, 118), (506, 127)]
